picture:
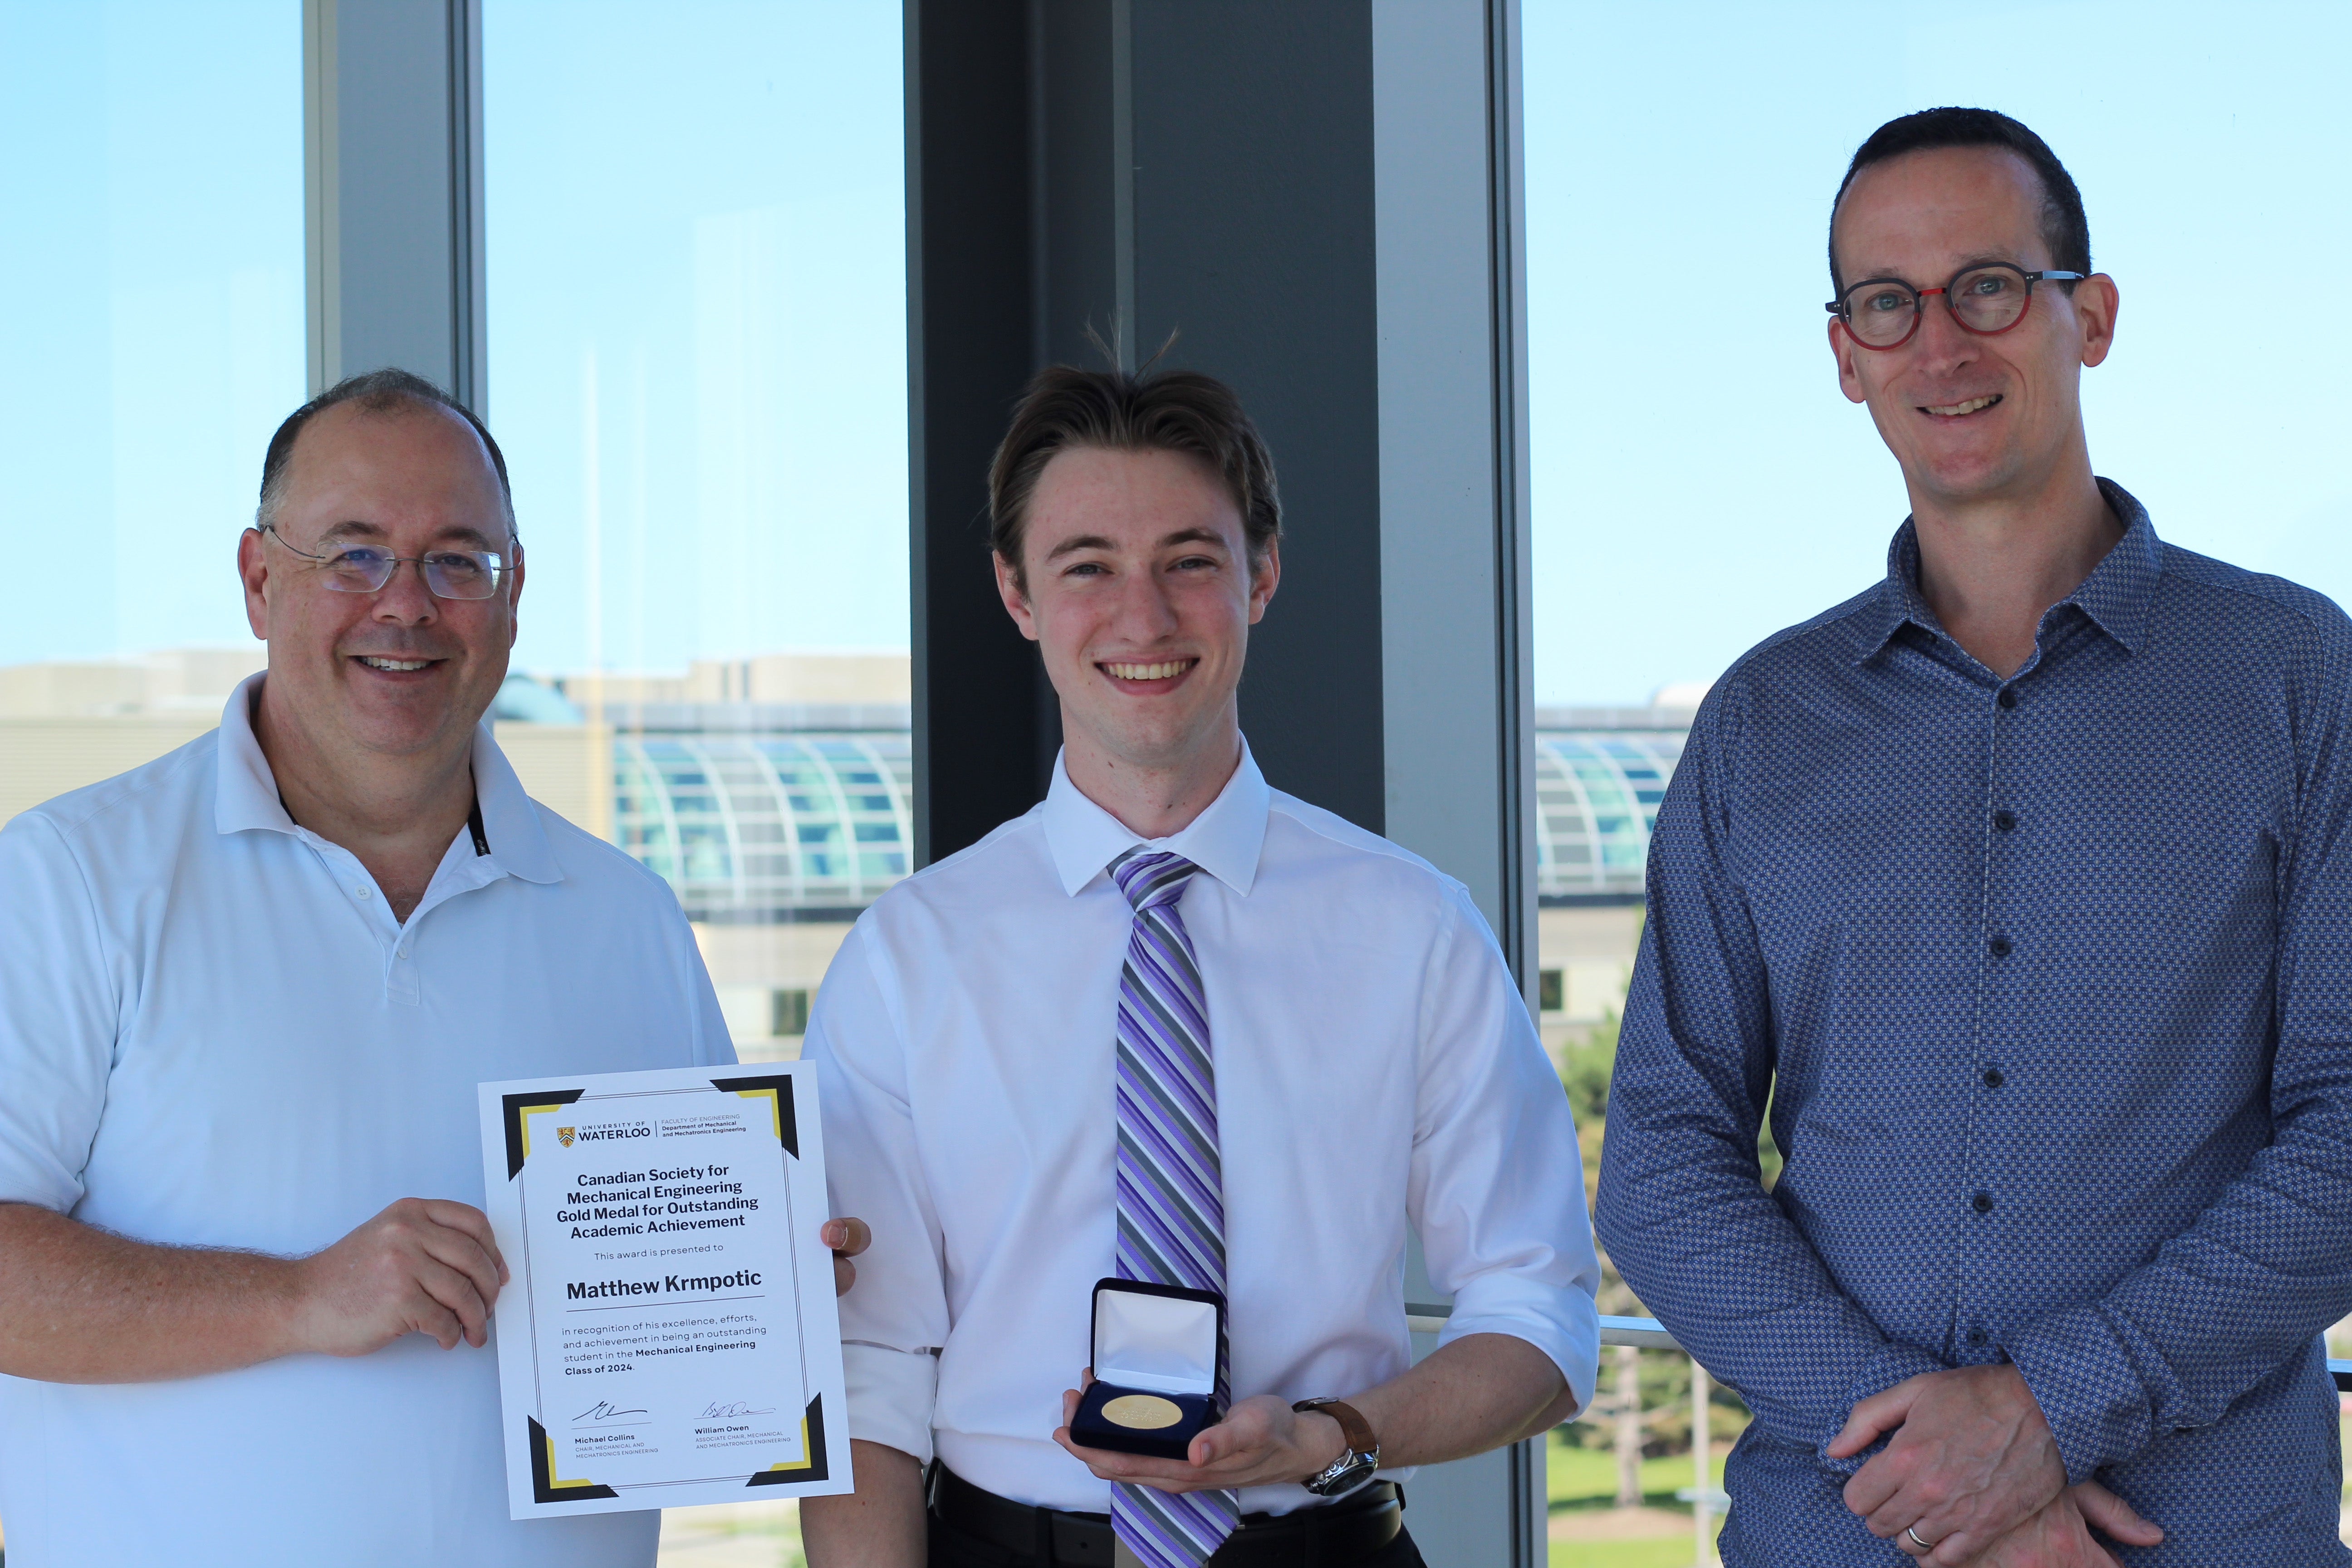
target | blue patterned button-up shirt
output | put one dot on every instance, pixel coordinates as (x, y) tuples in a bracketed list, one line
[(2049, 983)]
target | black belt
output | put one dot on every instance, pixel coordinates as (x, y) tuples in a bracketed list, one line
[(1356, 1526)]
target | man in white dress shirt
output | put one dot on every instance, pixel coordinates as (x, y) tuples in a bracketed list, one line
[(246, 994), (985, 1043)]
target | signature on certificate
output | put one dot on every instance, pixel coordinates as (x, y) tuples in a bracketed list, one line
[(602, 1414), (719, 1412)]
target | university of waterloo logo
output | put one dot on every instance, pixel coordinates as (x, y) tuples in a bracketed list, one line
[(563, 1135)]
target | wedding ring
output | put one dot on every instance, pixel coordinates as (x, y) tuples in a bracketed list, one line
[(1922, 1545)]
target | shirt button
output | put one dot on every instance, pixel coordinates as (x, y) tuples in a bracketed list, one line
[(1977, 1337), (2008, 698), (402, 953), (2005, 820), (2001, 948), (1992, 1079), (360, 892), (1981, 1203)]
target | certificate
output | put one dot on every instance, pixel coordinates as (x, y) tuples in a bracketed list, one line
[(669, 1336)]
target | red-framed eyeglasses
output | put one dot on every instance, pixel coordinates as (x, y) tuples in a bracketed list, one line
[(1986, 298)]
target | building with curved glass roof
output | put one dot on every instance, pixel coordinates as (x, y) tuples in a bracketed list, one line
[(761, 826), (755, 819), (1600, 775)]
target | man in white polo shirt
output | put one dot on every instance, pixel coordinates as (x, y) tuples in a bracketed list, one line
[(246, 994)]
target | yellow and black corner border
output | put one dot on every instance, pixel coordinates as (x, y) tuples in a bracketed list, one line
[(515, 1107), (544, 1485), (777, 1091), (810, 1467)]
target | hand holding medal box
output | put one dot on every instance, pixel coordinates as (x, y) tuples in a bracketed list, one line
[(669, 1336), (1156, 1352)]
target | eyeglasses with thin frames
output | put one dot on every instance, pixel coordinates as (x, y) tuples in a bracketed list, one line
[(448, 573), (1987, 298)]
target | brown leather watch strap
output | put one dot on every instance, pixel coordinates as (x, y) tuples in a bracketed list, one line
[(1353, 1428)]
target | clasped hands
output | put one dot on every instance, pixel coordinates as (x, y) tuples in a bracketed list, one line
[(1261, 1442), (1973, 1471)]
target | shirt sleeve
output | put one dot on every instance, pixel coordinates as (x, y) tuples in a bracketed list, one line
[(895, 1317), (1682, 1204), (1496, 1185), (60, 1012), (2268, 1266)]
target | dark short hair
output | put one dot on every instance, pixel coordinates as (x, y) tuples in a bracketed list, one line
[(386, 391), (2064, 229), (1115, 411)]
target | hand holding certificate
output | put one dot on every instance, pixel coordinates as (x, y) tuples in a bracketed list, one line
[(669, 1336)]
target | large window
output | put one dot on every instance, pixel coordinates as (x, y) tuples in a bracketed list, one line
[(152, 260), (696, 362), (697, 315), (697, 302), (1700, 482)]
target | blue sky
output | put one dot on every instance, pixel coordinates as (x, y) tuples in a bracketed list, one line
[(701, 208), (151, 169), (695, 210), (1699, 481)]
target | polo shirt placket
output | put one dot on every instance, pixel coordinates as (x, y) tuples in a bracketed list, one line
[(463, 871)]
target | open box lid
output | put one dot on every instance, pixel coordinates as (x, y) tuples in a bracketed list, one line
[(1160, 1338)]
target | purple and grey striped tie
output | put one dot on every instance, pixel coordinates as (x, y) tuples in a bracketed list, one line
[(1172, 1194)]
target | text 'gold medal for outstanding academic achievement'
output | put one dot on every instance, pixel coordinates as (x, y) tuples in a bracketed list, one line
[(669, 1335)]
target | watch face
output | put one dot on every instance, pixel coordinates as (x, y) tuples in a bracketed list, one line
[(1352, 1471)]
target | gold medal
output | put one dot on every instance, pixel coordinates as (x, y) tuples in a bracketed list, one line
[(1145, 1411)]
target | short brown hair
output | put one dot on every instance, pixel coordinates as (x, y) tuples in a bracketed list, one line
[(1110, 410), (2064, 229)]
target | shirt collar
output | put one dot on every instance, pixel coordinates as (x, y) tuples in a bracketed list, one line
[(2120, 590), (246, 795), (1225, 840), (510, 821), (2116, 595)]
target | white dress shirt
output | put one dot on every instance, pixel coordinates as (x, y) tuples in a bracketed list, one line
[(213, 1033), (1374, 1063)]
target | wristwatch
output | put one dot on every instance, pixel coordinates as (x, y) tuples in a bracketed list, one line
[(1352, 1469)]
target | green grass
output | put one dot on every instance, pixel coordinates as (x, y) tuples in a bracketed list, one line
[(1666, 1552), (1587, 1478)]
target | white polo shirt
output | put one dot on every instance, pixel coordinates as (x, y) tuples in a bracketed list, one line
[(213, 1033)]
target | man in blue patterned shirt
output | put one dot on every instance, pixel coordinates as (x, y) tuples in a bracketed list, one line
[(2017, 886)]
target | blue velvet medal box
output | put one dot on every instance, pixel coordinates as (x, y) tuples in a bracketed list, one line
[(1156, 1352)]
